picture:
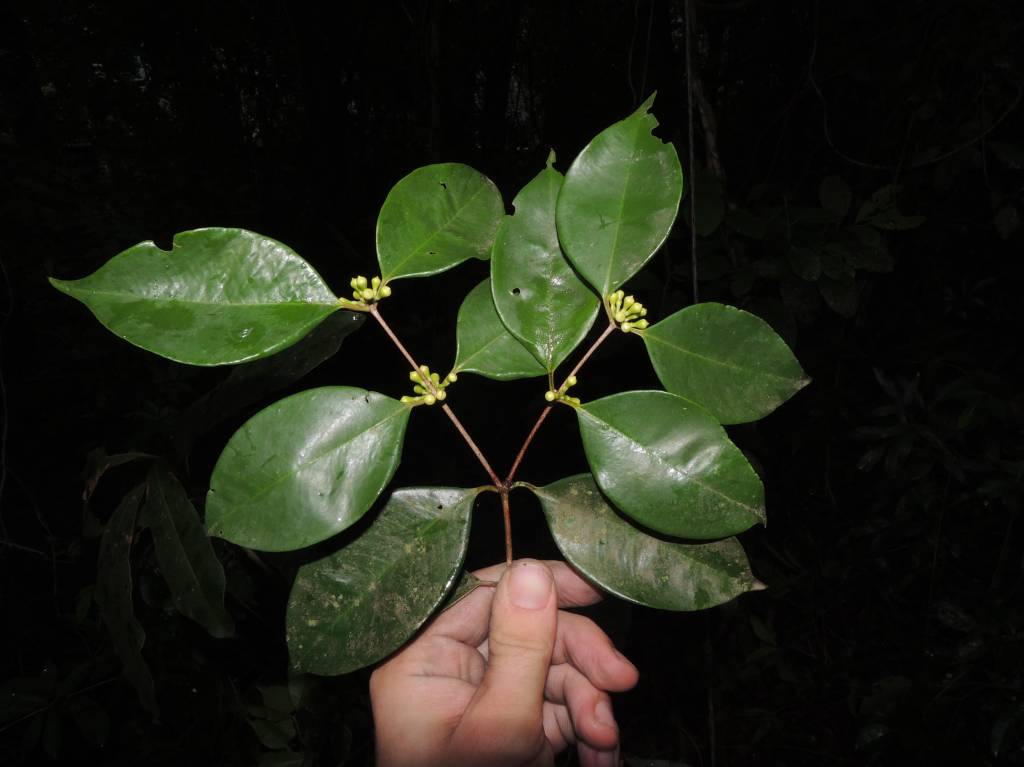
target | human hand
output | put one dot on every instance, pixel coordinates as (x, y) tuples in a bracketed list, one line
[(504, 678)]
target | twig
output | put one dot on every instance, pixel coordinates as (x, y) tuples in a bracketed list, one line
[(375, 313), (472, 446), (507, 518), (544, 413)]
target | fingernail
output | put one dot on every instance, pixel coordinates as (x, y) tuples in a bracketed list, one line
[(603, 714), (530, 586)]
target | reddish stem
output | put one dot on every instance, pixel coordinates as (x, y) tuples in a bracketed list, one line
[(508, 525), (375, 313), (544, 413)]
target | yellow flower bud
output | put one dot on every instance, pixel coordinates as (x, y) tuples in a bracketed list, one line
[(430, 399), (550, 395)]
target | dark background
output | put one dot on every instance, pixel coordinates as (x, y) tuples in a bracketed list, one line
[(892, 630)]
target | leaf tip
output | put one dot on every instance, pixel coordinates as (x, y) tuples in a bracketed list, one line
[(758, 586), (648, 102), (550, 163)]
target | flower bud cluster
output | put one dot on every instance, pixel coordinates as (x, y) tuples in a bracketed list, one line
[(627, 312), (369, 292), (560, 395), (429, 387)]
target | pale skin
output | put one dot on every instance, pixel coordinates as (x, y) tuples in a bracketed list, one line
[(505, 678)]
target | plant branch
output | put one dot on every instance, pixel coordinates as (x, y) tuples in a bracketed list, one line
[(544, 413), (473, 446), (507, 517), (375, 313)]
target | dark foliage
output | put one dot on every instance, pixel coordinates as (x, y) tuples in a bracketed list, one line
[(859, 178)]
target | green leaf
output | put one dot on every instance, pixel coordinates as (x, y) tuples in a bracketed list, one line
[(248, 384), (305, 468), (619, 201), (358, 605), (669, 465), (114, 597), (726, 360), (184, 553), (536, 292), (218, 297), (633, 565), (435, 218), (483, 345), (835, 195)]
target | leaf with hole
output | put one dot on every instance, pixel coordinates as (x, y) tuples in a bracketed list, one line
[(619, 201), (726, 360), (483, 344), (630, 564), (435, 218), (669, 465), (305, 468), (536, 292), (184, 553), (358, 605), (218, 297)]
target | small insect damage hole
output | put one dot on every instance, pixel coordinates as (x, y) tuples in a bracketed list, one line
[(516, 291), (440, 506), (444, 186)]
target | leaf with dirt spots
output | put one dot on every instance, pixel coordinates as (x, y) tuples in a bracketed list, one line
[(358, 605), (633, 565), (467, 584)]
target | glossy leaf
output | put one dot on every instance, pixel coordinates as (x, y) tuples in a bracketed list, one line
[(358, 605), (114, 597), (726, 360), (633, 565), (248, 384), (536, 292), (305, 468), (218, 297), (435, 218), (619, 201), (669, 465), (184, 553), (483, 344)]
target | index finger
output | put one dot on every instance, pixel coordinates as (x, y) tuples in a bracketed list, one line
[(468, 620)]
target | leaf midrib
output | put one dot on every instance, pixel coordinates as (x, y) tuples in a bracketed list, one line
[(671, 468), (326, 451), (175, 537), (430, 237), (127, 297), (722, 363)]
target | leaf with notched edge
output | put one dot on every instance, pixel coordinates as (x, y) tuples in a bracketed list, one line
[(218, 297)]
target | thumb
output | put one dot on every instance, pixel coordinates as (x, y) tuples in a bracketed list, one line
[(521, 639)]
